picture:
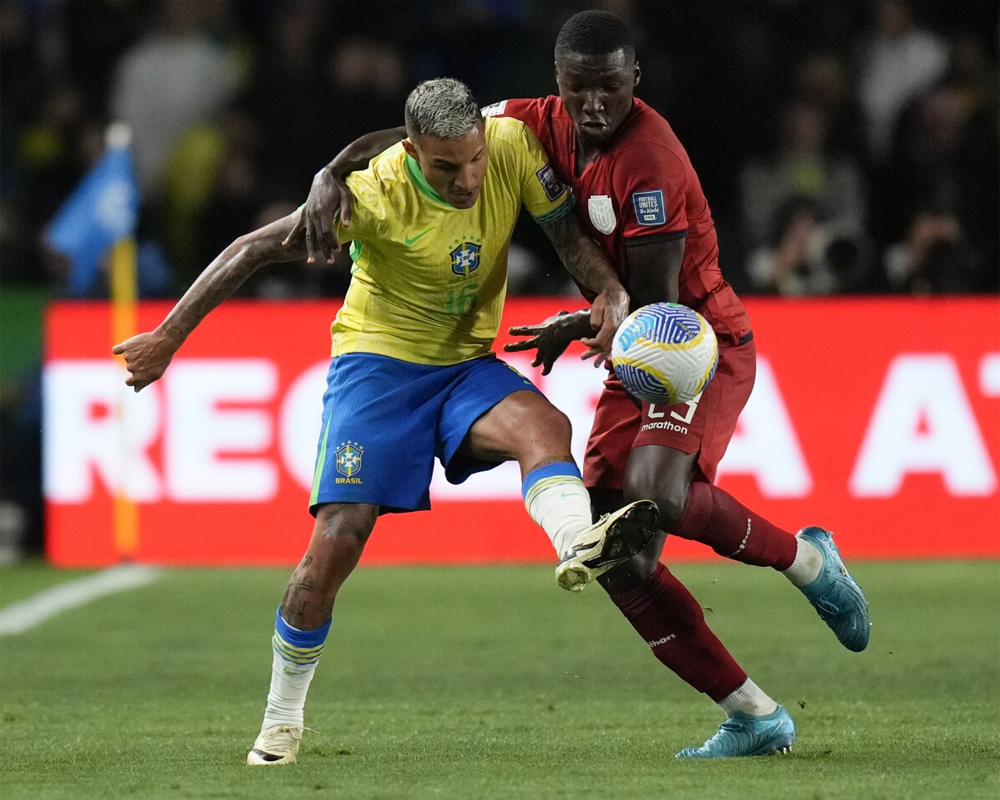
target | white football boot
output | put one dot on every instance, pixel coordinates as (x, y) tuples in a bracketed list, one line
[(613, 539), (278, 744)]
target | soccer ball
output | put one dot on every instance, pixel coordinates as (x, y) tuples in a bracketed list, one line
[(665, 353)]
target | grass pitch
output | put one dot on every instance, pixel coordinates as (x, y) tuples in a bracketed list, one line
[(481, 683)]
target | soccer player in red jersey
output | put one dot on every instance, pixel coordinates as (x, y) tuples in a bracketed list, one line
[(640, 198)]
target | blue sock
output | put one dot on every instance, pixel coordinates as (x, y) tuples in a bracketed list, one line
[(301, 647), (296, 654)]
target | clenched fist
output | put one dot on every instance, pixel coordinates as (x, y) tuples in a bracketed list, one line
[(147, 357)]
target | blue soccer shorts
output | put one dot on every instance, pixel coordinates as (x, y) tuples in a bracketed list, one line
[(385, 420)]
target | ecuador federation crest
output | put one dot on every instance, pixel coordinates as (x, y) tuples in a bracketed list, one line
[(602, 213), (465, 258), (349, 458)]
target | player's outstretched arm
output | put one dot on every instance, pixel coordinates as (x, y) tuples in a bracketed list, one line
[(588, 264), (148, 355), (329, 198), (550, 337)]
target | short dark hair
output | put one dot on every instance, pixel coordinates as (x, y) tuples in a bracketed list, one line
[(595, 33)]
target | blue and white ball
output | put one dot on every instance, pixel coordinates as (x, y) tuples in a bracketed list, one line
[(665, 353)]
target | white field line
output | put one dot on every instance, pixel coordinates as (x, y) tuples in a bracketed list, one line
[(21, 616)]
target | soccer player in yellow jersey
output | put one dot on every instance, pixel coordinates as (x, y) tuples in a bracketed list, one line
[(413, 374)]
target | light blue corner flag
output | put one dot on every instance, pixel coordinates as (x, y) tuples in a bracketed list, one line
[(103, 209)]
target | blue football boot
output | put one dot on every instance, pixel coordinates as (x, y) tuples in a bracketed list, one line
[(835, 595), (746, 735)]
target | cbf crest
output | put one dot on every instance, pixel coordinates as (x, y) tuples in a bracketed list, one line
[(465, 259), (602, 213), (348, 461)]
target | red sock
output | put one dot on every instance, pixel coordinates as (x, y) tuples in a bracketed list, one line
[(667, 616), (719, 520)]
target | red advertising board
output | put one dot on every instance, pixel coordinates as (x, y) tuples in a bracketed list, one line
[(876, 418)]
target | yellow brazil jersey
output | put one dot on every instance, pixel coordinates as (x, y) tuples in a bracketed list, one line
[(429, 280)]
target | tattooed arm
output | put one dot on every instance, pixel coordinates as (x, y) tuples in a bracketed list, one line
[(148, 355), (330, 199), (588, 264)]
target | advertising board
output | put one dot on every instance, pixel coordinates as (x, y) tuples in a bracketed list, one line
[(876, 418)]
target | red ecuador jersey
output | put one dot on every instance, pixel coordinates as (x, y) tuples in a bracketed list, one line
[(641, 186)]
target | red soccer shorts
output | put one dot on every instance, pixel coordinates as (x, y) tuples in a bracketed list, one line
[(704, 425)]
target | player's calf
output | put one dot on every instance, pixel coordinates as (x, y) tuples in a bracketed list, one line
[(615, 538)]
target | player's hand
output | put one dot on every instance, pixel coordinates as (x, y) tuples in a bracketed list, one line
[(608, 312), (329, 200), (147, 357), (550, 337)]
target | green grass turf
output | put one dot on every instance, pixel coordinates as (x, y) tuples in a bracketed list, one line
[(473, 683)]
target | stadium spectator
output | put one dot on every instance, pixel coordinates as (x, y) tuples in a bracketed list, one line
[(898, 61), (414, 376), (947, 154), (742, 86), (935, 258), (804, 256), (298, 79), (641, 200), (803, 167), (174, 78), (823, 78)]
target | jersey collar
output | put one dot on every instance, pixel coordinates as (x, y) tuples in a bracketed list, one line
[(417, 176)]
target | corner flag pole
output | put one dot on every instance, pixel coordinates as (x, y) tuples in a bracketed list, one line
[(124, 324)]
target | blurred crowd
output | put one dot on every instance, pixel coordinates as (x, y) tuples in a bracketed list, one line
[(845, 146)]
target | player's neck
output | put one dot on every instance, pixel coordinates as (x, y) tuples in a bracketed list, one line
[(585, 153)]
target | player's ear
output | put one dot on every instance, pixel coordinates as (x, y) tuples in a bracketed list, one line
[(637, 75), (410, 149), (559, 63)]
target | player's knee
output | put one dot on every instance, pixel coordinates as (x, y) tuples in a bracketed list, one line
[(539, 427), (555, 423), (670, 497), (343, 529), (671, 509)]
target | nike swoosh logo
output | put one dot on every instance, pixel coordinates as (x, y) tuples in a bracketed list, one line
[(408, 241)]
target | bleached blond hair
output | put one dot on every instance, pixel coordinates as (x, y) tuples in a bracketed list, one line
[(443, 108)]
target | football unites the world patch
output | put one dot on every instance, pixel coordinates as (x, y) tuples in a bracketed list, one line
[(553, 187), (649, 207)]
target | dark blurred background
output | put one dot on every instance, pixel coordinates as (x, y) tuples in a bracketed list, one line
[(845, 147)]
